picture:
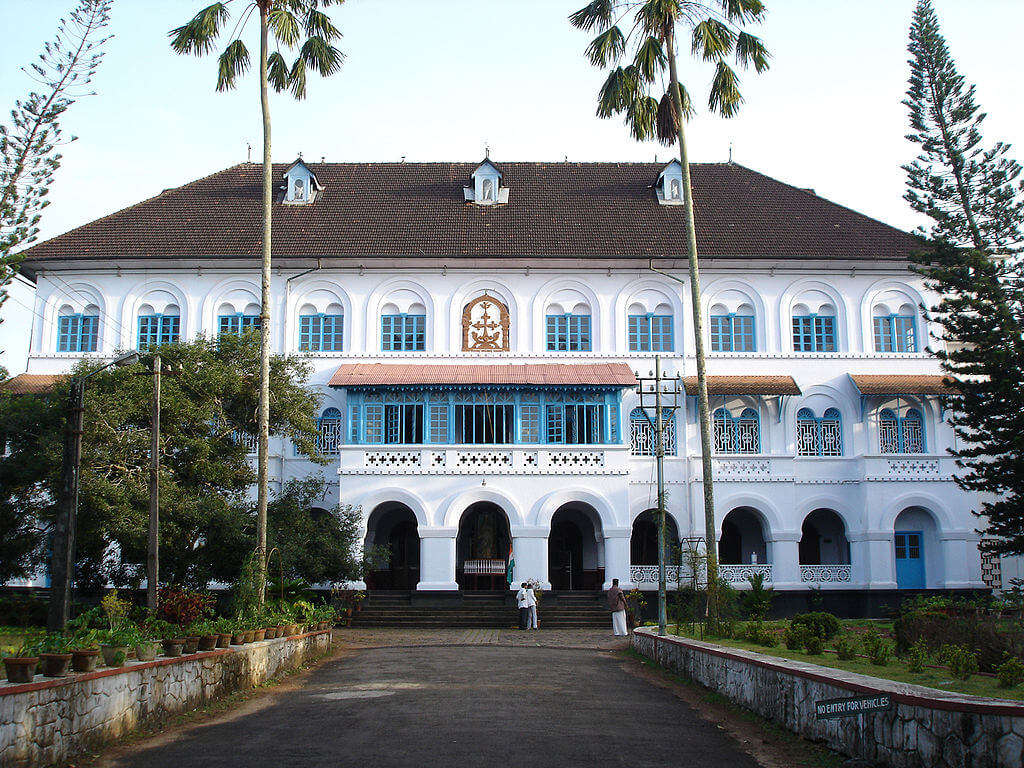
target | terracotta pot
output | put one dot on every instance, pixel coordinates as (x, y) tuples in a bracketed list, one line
[(258, 634), (271, 633), (223, 639), (249, 635), (85, 660), (293, 629), (21, 669), (147, 651), (208, 642), (114, 655), (282, 630), (191, 645), (237, 638), (55, 664), (173, 646)]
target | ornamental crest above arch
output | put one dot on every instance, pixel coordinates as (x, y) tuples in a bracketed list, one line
[(485, 323)]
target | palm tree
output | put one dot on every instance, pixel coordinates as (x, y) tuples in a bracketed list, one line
[(295, 25), (717, 30)]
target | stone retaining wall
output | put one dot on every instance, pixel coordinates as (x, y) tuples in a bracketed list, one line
[(924, 728), (52, 719)]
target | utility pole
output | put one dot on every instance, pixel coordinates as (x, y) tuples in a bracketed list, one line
[(660, 388), (62, 559)]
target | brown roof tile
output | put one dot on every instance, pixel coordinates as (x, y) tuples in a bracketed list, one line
[(398, 374), (744, 385), (30, 383), (895, 384), (572, 210)]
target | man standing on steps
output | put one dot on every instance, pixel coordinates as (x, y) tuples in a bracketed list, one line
[(617, 605), (523, 601), (531, 601)]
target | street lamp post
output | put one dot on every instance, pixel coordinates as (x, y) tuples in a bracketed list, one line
[(62, 559), (660, 389)]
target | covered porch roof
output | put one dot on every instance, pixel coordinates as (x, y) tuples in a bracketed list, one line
[(744, 385), (544, 374), (901, 384)]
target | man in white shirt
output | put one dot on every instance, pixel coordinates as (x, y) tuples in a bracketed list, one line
[(523, 597), (531, 601)]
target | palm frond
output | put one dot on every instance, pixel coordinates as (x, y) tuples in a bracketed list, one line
[(598, 14), (725, 97), (619, 89), (750, 50), (607, 47), (656, 17), (650, 59), (277, 72), (285, 26), (321, 56), (297, 78), (642, 117), (199, 35), (713, 40), (233, 62), (743, 11), (319, 24)]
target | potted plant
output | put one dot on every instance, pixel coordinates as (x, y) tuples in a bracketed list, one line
[(146, 645), (21, 666), (55, 654), (207, 634), (223, 628), (170, 636), (85, 647), (115, 643)]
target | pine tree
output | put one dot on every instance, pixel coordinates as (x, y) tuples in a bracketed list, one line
[(974, 198)]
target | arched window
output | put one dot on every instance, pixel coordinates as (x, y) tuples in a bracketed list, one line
[(650, 333), (894, 326), (819, 436), (675, 189), (488, 190), (328, 438), (156, 328), (642, 438), (901, 434), (568, 331), (78, 332), (740, 434)]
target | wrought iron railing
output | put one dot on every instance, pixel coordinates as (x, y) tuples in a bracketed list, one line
[(826, 574)]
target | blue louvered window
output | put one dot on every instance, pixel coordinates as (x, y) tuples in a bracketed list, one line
[(901, 434), (814, 333), (321, 333), (819, 436), (236, 324), (895, 333), (732, 333), (650, 333), (78, 333), (403, 333), (568, 333), (155, 330)]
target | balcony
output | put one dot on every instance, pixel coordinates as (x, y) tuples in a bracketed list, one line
[(826, 574), (483, 460), (646, 576), (834, 469)]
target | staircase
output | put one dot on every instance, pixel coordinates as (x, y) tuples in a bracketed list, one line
[(479, 610)]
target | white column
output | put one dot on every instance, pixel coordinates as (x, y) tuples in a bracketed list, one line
[(437, 559), (785, 559), (616, 557), (873, 560), (530, 547), (961, 560)]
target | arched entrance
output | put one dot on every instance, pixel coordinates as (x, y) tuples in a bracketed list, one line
[(823, 540), (916, 549), (482, 547), (575, 549), (742, 540), (393, 546), (643, 541)]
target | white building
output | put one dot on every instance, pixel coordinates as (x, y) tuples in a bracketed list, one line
[(475, 332)]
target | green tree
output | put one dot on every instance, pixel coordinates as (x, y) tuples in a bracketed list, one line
[(208, 411), (974, 198), (639, 60), (28, 145), (296, 25)]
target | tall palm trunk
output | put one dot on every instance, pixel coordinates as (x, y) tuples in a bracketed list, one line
[(711, 539), (263, 443)]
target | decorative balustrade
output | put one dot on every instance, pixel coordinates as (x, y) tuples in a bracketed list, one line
[(826, 574), (646, 576), (451, 460), (743, 468), (740, 574)]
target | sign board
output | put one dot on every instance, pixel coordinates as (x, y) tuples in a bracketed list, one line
[(826, 709)]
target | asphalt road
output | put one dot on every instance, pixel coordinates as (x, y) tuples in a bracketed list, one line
[(458, 706)]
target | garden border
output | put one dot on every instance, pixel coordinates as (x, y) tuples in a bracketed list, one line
[(925, 728)]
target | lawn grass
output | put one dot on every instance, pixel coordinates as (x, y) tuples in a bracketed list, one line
[(941, 679)]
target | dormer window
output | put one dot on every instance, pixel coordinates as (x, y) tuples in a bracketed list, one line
[(486, 188), (670, 184), (301, 185)]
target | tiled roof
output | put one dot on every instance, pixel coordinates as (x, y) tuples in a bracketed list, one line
[(744, 385), (404, 374), (30, 383), (893, 384), (571, 210)]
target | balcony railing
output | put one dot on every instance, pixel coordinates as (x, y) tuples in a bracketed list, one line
[(484, 460), (826, 574), (646, 576)]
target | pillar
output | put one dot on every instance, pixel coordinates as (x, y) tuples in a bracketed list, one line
[(872, 558), (961, 560), (530, 547), (616, 557), (437, 559), (785, 559)]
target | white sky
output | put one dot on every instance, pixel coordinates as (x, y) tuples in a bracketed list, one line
[(439, 80)]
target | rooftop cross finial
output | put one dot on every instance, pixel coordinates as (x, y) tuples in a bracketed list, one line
[(487, 151)]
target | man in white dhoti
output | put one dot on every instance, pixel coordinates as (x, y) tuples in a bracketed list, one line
[(531, 603), (617, 605)]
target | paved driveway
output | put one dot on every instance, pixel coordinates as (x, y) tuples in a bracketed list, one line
[(493, 707)]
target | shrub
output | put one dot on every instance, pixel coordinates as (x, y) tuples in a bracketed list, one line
[(1010, 673), (879, 649), (962, 661), (759, 634), (813, 645), (822, 624), (917, 657), (846, 647), (795, 637), (758, 599), (115, 609), (980, 633), (183, 606)]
